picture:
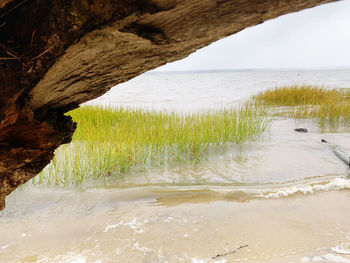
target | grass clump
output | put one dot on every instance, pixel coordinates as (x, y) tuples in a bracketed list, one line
[(297, 96), (111, 141), (330, 106)]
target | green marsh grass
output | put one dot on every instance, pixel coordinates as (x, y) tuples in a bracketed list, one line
[(112, 141), (329, 106)]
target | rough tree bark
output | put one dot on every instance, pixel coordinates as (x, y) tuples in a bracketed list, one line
[(56, 54)]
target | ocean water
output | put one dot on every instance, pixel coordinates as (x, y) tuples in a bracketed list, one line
[(282, 198), (189, 91)]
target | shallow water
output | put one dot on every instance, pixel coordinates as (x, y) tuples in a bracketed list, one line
[(282, 156), (284, 197), (146, 225)]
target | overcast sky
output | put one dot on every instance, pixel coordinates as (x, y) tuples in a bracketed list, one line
[(314, 38)]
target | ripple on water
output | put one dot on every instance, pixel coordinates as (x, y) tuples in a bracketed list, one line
[(276, 195), (283, 157)]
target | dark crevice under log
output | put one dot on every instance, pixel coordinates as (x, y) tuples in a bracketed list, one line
[(57, 54)]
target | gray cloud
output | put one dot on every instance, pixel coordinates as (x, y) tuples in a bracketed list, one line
[(317, 37)]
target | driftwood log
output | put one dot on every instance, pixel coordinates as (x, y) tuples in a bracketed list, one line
[(339, 152), (56, 54)]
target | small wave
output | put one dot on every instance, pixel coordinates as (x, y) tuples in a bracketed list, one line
[(248, 192), (334, 184), (133, 225), (342, 249), (171, 196), (68, 258), (327, 258)]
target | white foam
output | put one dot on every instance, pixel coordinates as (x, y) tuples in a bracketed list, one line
[(317, 259), (198, 260), (4, 247), (136, 227), (141, 248), (341, 250), (327, 258), (334, 258), (305, 260), (68, 258), (335, 184), (108, 227)]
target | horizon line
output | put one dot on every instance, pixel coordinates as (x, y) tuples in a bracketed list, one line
[(250, 69)]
